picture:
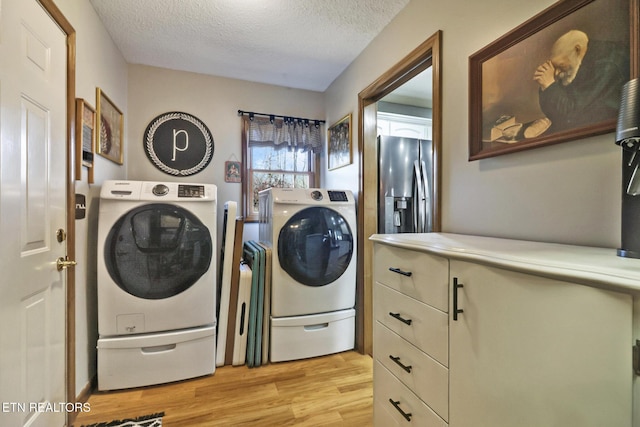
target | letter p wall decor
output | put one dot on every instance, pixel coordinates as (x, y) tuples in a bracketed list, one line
[(178, 144)]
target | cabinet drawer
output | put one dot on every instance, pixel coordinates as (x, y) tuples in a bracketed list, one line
[(428, 279), (427, 378), (423, 326), (383, 418), (388, 388)]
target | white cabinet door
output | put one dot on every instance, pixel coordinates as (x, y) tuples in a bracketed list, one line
[(531, 351), (404, 126), (408, 130)]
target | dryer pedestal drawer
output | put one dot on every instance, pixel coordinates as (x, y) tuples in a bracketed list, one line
[(301, 337), (140, 360)]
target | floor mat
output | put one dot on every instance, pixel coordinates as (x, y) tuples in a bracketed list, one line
[(153, 420)]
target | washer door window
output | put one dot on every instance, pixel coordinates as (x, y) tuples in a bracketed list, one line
[(315, 246), (157, 251)]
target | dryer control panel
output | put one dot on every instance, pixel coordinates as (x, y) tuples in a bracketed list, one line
[(301, 196), (338, 196), (316, 195)]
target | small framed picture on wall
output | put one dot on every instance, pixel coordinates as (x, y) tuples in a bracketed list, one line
[(110, 143), (232, 171), (85, 138), (339, 143)]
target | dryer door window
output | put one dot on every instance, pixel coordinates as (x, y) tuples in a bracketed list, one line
[(157, 251), (315, 246)]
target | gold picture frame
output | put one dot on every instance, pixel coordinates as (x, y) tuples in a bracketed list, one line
[(85, 138), (109, 138), (339, 143)]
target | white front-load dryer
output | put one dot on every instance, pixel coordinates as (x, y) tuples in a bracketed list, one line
[(312, 233), (156, 282)]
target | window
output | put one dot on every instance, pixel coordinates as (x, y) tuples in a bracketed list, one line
[(278, 153)]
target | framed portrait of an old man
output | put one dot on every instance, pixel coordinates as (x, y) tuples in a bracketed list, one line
[(555, 78)]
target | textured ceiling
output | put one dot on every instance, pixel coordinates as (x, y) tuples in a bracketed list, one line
[(302, 44)]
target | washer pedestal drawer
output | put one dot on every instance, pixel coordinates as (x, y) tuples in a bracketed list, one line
[(140, 360)]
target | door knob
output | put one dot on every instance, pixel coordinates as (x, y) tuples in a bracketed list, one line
[(64, 262)]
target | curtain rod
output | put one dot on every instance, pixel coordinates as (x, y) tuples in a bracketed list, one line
[(251, 114)]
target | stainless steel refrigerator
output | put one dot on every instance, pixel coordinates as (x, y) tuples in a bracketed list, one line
[(405, 168)]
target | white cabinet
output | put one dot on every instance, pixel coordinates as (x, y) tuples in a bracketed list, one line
[(404, 126), (542, 334), (532, 351), (411, 338)]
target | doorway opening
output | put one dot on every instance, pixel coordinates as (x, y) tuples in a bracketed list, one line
[(405, 136), (424, 57)]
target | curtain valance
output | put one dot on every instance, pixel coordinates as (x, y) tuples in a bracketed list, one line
[(290, 133)]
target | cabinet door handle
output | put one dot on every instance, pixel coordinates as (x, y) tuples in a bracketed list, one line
[(400, 318), (456, 310), (396, 404), (399, 363), (397, 270)]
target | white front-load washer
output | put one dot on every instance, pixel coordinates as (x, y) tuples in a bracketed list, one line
[(312, 233), (156, 282)]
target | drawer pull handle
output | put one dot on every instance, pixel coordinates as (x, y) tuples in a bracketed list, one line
[(456, 310), (399, 363), (397, 270), (396, 404), (400, 318)]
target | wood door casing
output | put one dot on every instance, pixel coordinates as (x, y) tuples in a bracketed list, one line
[(428, 54)]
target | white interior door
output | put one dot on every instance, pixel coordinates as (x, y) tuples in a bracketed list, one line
[(32, 209)]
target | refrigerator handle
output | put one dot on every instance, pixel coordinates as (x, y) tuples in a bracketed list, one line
[(426, 219), (418, 199)]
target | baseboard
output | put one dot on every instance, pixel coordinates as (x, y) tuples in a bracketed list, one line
[(85, 393), (83, 397)]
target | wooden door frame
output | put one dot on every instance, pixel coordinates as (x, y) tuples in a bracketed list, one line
[(70, 336), (429, 53)]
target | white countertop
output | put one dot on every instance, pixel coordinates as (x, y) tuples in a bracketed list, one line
[(599, 267)]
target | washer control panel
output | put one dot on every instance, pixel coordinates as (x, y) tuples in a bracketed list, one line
[(191, 191), (188, 191), (160, 190), (156, 191)]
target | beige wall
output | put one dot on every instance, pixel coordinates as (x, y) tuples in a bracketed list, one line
[(215, 101), (567, 193), (563, 193)]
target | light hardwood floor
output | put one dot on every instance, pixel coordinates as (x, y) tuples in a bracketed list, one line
[(333, 390)]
